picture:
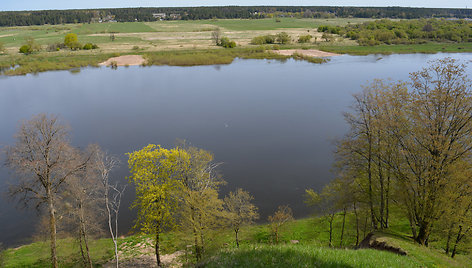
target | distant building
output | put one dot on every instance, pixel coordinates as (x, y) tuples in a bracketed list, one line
[(175, 16), (108, 18), (159, 16)]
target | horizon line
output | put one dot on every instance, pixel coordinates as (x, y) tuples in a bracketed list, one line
[(360, 6)]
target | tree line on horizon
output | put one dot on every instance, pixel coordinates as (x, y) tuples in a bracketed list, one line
[(53, 17), (404, 32)]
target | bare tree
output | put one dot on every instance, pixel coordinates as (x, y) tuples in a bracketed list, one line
[(81, 204), (216, 35), (112, 193), (43, 161), (240, 210), (280, 217)]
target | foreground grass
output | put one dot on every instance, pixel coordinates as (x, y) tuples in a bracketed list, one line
[(38, 254), (262, 255), (257, 248)]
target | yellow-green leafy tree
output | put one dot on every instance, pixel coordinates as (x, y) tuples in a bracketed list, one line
[(152, 172), (72, 41)]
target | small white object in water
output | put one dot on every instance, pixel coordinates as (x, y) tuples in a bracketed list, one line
[(226, 125)]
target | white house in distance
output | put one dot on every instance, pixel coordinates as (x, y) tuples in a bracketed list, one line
[(159, 16)]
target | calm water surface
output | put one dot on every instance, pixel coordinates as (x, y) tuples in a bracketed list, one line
[(272, 124)]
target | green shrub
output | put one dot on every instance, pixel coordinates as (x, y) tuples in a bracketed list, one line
[(32, 44), (55, 47), (75, 46), (263, 39), (26, 49), (304, 38), (226, 43), (89, 46), (283, 38)]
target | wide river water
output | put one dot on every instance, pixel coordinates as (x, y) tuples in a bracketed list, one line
[(272, 124)]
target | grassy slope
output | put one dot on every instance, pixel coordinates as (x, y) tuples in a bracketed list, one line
[(37, 254), (305, 256), (258, 251)]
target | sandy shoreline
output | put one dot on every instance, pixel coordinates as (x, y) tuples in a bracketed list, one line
[(127, 60), (305, 52)]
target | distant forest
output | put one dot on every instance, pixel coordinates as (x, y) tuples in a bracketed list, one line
[(25, 18)]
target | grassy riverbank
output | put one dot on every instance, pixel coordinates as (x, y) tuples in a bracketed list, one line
[(41, 62), (398, 49)]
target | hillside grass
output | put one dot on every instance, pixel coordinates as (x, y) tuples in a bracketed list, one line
[(38, 254), (263, 255), (257, 248)]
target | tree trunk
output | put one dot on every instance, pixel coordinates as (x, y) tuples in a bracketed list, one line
[(114, 236), (342, 228), (202, 244), (89, 260), (237, 240), (412, 224), (423, 233), (115, 239), (158, 258), (198, 254), (382, 187), (84, 259), (387, 197), (331, 230), (458, 238), (52, 228), (449, 236), (365, 225), (369, 173), (357, 224), (83, 233), (276, 235)]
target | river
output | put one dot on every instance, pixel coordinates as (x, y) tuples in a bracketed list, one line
[(272, 124)]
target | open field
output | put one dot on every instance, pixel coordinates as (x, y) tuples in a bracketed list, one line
[(185, 43), (163, 35)]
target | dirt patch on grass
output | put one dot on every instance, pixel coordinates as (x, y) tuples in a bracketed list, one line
[(6, 35), (305, 52), (128, 60)]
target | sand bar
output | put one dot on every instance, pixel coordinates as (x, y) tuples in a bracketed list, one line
[(127, 60)]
